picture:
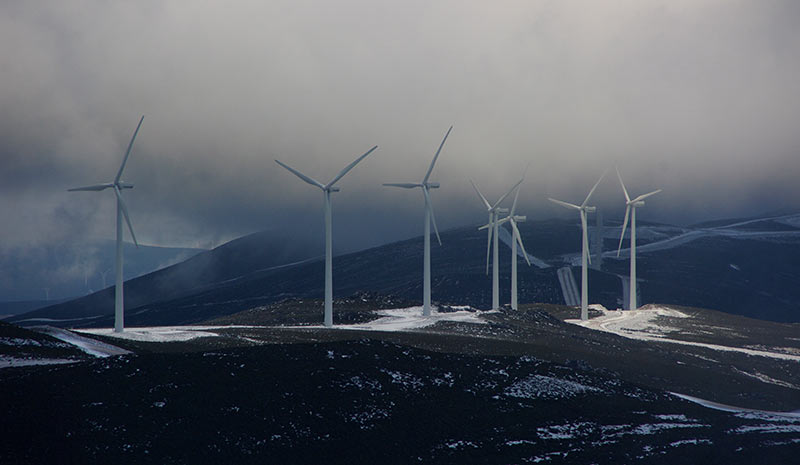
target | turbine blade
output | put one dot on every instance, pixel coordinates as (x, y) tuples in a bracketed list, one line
[(97, 187), (519, 240), (429, 205), (507, 193), (627, 197), (125, 214), (624, 225), (525, 171), (430, 168), (404, 185), (302, 176), (349, 167), (593, 188), (644, 196), (485, 202), (514, 205), (564, 204), (128, 152)]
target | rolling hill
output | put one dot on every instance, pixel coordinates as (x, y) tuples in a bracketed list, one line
[(745, 268)]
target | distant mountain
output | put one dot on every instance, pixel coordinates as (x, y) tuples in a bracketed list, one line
[(9, 309), (64, 271), (741, 269), (226, 262)]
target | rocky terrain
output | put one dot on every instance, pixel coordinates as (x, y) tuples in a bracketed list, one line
[(529, 386)]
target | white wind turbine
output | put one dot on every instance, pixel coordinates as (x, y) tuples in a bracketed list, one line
[(429, 217), (327, 189), (584, 209), (630, 208), (494, 210), (122, 210), (515, 238)]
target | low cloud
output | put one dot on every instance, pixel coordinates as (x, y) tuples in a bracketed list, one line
[(700, 99)]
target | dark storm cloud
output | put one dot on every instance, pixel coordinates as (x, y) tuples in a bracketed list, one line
[(699, 98)]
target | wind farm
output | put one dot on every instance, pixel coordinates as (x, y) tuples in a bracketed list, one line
[(247, 318)]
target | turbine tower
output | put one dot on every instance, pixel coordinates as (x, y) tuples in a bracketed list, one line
[(515, 238), (122, 210), (327, 189), (630, 208), (429, 217), (494, 211), (584, 209)]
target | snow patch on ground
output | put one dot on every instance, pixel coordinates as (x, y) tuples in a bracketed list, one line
[(10, 362), (18, 341), (159, 333), (767, 379), (398, 319), (409, 319), (693, 442), (545, 387), (566, 431), (652, 428), (88, 345), (642, 324), (460, 444), (791, 428), (777, 416)]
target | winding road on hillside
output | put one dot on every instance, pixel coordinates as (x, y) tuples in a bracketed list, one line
[(693, 234)]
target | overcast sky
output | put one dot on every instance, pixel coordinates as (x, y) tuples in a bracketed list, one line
[(699, 98)]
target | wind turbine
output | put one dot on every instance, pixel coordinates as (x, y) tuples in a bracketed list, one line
[(516, 237), (584, 209), (327, 189), (494, 210), (429, 217), (630, 208), (122, 210)]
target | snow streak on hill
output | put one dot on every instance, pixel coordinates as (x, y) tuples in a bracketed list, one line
[(655, 323)]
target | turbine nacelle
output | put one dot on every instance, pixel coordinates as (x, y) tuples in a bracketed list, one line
[(333, 189), (431, 185), (589, 209)]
